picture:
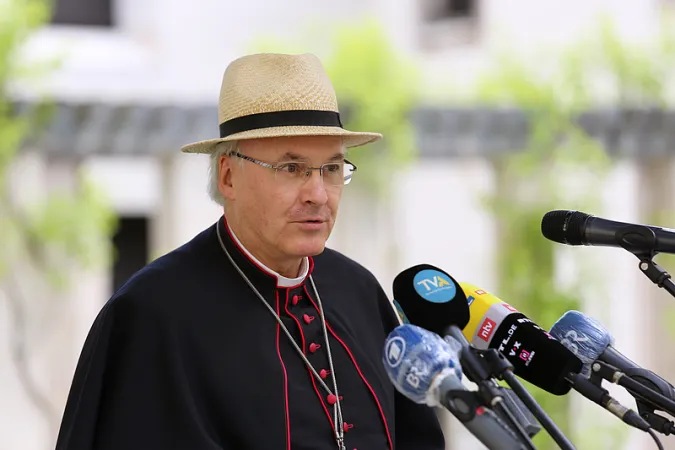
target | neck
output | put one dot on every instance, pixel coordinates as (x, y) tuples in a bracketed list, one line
[(286, 267), (288, 270)]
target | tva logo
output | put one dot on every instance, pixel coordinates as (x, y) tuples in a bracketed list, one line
[(434, 282), (434, 286)]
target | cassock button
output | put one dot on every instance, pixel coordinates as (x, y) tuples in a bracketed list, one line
[(307, 318), (296, 298), (331, 399), (323, 373), (347, 426), (314, 347)]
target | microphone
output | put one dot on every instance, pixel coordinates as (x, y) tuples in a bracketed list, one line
[(536, 356), (425, 368), (429, 297), (644, 241), (578, 228), (432, 299), (593, 344)]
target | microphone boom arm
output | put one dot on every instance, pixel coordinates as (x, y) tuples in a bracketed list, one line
[(498, 366), (467, 405), (629, 236), (647, 399), (503, 369)]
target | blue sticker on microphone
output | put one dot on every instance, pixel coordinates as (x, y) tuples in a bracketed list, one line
[(434, 286), (399, 311)]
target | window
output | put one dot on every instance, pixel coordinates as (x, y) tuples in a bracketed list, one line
[(83, 12), (131, 250), (448, 9), (448, 23)]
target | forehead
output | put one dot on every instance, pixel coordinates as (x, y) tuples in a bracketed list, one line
[(309, 147)]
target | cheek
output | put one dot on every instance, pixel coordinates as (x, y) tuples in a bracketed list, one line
[(334, 201), (277, 204)]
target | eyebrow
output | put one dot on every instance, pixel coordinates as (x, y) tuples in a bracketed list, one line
[(290, 156)]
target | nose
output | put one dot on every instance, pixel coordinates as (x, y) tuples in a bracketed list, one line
[(313, 190)]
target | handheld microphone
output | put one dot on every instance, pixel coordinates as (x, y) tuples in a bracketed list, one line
[(430, 298), (414, 358), (593, 344), (536, 356), (433, 300), (426, 369), (578, 228)]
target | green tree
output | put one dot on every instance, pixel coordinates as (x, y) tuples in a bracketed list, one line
[(42, 242), (379, 87), (560, 168)]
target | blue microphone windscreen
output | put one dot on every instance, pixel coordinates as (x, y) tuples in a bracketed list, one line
[(416, 360), (582, 335)]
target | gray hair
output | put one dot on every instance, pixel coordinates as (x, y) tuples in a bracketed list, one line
[(222, 149)]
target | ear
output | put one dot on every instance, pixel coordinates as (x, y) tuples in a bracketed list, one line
[(225, 185)]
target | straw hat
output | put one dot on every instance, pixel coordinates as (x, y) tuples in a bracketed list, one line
[(270, 95)]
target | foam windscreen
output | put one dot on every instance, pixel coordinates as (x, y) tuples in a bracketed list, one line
[(536, 356), (431, 298)]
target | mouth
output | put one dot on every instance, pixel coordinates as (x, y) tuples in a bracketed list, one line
[(311, 224), (313, 220)]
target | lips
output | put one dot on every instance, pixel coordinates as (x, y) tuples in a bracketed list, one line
[(312, 225)]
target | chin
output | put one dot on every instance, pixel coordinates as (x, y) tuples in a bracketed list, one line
[(311, 248)]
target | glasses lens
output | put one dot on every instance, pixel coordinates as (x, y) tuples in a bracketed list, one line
[(333, 174), (348, 172), (291, 171)]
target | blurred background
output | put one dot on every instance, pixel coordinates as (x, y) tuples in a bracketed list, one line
[(494, 112)]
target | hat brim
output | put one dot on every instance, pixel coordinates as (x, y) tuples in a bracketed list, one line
[(350, 138)]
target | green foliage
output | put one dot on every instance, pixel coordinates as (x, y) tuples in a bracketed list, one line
[(553, 92), (376, 87), (530, 183), (62, 227)]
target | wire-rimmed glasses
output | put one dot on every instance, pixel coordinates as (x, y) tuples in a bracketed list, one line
[(335, 174)]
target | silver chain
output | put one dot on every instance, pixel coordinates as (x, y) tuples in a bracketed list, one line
[(337, 408)]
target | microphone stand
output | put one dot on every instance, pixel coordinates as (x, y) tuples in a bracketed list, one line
[(637, 238), (655, 421), (501, 368), (481, 366), (641, 235), (647, 398), (657, 274), (488, 390)]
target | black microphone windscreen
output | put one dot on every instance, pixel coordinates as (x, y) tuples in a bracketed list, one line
[(564, 227), (431, 298), (536, 356)]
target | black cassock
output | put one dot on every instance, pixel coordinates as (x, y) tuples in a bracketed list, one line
[(186, 356)]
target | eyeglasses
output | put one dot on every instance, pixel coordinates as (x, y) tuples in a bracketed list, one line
[(333, 174)]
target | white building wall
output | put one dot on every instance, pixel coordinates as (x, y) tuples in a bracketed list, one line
[(166, 51)]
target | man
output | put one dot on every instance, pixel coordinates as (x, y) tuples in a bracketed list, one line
[(253, 335)]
